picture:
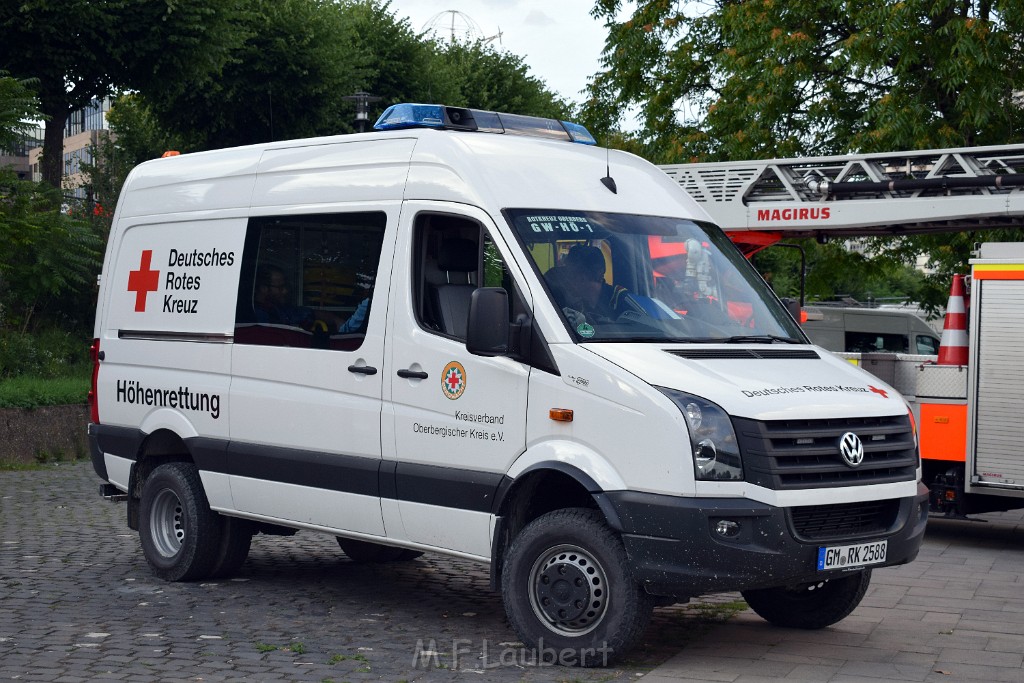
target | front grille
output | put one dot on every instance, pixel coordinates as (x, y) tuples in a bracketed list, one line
[(800, 454), (844, 521)]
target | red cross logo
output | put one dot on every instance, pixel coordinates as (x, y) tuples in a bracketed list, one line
[(885, 394), (453, 380), (143, 280)]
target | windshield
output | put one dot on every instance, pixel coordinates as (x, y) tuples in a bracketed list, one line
[(620, 277)]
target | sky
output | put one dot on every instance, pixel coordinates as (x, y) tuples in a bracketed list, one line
[(558, 39)]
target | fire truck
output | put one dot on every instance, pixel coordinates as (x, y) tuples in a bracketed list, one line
[(968, 413)]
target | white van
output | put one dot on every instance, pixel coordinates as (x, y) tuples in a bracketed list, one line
[(870, 330), (465, 333)]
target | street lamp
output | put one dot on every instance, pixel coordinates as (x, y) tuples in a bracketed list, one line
[(362, 100)]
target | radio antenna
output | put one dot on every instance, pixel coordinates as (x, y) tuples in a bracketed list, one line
[(608, 181)]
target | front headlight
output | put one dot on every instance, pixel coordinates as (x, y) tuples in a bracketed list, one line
[(716, 454)]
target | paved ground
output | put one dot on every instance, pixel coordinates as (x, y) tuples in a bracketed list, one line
[(77, 602)]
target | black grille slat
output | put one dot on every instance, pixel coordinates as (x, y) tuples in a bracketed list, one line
[(844, 521), (794, 454)]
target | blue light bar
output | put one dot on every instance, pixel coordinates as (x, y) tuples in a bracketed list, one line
[(402, 116)]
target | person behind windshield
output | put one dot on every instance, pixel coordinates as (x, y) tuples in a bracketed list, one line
[(580, 288)]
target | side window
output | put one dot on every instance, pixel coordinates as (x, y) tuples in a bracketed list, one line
[(928, 346), (454, 256), (307, 281), (871, 342)]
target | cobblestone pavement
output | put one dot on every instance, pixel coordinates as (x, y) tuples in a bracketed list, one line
[(78, 602)]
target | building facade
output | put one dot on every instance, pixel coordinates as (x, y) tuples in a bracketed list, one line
[(82, 133)]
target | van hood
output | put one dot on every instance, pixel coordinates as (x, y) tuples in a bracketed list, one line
[(762, 382)]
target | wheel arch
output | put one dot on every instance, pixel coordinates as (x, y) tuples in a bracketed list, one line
[(155, 449), (541, 488)]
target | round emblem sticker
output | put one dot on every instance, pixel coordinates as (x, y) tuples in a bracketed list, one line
[(453, 380), (585, 330)]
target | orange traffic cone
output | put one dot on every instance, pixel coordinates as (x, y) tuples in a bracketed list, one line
[(953, 347)]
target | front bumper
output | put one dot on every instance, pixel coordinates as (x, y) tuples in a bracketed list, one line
[(674, 549)]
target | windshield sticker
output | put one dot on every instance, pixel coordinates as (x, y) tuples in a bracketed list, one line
[(807, 388), (559, 224), (585, 330), (453, 380)]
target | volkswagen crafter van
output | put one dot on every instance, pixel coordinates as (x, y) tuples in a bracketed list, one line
[(387, 337)]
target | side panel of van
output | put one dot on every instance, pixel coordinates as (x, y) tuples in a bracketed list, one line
[(311, 312), (311, 455), (167, 333), (459, 419)]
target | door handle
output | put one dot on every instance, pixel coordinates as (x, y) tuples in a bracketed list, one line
[(412, 374), (362, 369)]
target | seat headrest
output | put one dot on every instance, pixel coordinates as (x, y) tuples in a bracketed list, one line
[(458, 255)]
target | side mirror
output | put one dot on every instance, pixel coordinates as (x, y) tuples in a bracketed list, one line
[(488, 328), (794, 308)]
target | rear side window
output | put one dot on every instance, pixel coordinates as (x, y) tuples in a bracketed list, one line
[(308, 281)]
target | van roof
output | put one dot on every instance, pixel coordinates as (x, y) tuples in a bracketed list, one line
[(493, 171)]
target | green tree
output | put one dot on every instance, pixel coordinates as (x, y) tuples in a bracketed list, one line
[(768, 78), (284, 81), (18, 104), (302, 58), (773, 78), (484, 78), (48, 260), (401, 64), (135, 136), (77, 50), (833, 271)]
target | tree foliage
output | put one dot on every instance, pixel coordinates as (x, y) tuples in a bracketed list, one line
[(484, 78), (48, 260), (77, 50), (725, 80), (302, 58), (134, 136), (773, 78), (18, 104), (284, 81)]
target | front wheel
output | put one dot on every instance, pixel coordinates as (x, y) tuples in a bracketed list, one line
[(180, 535), (569, 592), (810, 605)]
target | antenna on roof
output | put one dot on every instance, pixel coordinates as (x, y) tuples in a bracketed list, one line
[(608, 181)]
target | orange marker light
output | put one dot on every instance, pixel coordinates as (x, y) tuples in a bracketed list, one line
[(170, 153), (560, 414)]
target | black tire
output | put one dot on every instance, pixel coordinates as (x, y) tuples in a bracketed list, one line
[(569, 592), (180, 534), (364, 551), (810, 605), (236, 537)]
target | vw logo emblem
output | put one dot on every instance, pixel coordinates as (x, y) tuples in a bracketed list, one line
[(851, 448)]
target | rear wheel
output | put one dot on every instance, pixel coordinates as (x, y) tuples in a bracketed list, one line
[(364, 551), (810, 605), (569, 592), (180, 535)]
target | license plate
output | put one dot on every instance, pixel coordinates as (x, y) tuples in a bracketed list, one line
[(846, 556)]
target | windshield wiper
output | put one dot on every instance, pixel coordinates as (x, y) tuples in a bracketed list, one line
[(760, 339), (743, 339)]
